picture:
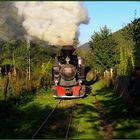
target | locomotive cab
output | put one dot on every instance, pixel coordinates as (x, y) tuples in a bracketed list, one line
[(68, 75)]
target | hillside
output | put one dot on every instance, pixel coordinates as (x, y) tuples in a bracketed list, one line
[(118, 36), (84, 47)]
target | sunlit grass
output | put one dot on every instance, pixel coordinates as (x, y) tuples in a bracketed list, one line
[(85, 123), (125, 124), (43, 98)]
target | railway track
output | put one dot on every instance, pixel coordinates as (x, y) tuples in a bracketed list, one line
[(45, 121), (107, 127), (70, 120), (48, 124)]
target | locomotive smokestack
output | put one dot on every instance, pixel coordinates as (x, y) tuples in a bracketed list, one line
[(67, 50)]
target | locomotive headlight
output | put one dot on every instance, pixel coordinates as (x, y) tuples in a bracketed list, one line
[(79, 61), (68, 72), (56, 82), (80, 82)]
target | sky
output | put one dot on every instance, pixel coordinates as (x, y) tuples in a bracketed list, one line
[(115, 15)]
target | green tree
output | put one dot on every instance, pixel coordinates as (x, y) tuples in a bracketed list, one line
[(133, 33), (126, 52), (103, 46)]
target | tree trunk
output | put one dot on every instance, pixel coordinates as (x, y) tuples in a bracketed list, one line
[(5, 86)]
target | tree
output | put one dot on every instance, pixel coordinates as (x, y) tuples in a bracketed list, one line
[(133, 32), (126, 52), (103, 46)]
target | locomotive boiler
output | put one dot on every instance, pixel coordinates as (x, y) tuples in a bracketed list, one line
[(68, 74)]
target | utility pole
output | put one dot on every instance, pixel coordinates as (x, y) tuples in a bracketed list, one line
[(14, 70), (135, 14), (29, 60)]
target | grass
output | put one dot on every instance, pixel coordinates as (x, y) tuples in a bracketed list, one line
[(125, 123), (20, 121), (19, 118), (85, 123)]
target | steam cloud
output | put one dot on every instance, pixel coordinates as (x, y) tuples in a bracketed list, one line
[(54, 22)]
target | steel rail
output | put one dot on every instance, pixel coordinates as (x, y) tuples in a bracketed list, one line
[(44, 122), (69, 124), (70, 120)]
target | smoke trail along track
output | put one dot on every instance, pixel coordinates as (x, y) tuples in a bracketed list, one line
[(45, 121), (107, 127)]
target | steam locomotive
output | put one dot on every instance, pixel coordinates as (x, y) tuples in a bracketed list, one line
[(68, 74)]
